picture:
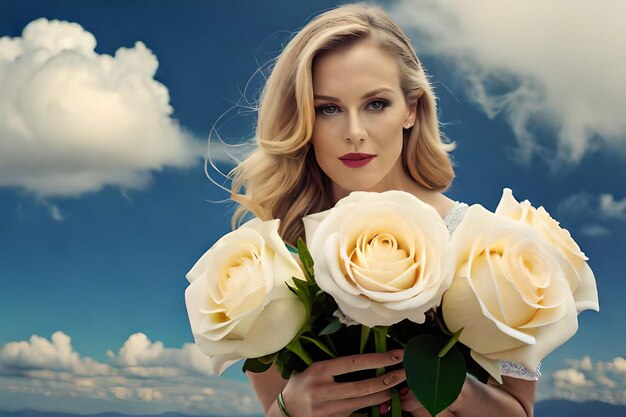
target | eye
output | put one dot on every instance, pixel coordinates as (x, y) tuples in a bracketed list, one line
[(328, 109), (378, 105)]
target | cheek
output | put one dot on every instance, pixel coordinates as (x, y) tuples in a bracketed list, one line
[(323, 146)]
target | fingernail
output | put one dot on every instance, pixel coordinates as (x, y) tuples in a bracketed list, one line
[(389, 379), (404, 391), (397, 356), (384, 408)]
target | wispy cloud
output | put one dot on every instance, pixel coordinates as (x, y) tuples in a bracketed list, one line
[(595, 230), (73, 121), (553, 64), (603, 207), (143, 377)]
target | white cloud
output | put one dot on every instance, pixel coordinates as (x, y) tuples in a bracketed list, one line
[(142, 377), (585, 206), (618, 365), (555, 64), (73, 121), (585, 364), (54, 355), (585, 380), (570, 377), (595, 230), (141, 356), (611, 208)]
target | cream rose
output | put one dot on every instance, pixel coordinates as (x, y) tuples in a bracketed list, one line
[(238, 302), (381, 256), (539, 219), (511, 291)]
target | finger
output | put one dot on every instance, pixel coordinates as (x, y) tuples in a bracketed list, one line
[(346, 364), (365, 387), (410, 403), (352, 404)]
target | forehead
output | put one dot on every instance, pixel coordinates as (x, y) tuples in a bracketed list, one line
[(357, 67)]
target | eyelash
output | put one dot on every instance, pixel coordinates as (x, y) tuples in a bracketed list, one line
[(321, 108)]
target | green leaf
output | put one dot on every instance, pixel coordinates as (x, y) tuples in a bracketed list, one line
[(267, 359), (365, 334), (436, 382), (306, 258), (301, 285), (320, 345), (255, 365), (332, 327), (293, 290)]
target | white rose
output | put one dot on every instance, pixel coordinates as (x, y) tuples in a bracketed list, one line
[(238, 302), (511, 292), (381, 256), (584, 287)]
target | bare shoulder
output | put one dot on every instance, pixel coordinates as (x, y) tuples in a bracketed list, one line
[(267, 385), (442, 204)]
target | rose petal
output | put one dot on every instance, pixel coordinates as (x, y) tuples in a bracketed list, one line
[(482, 332), (586, 295), (219, 363), (492, 366), (274, 328), (548, 339)]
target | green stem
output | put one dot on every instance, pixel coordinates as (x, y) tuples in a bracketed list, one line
[(380, 344), (451, 342), (396, 407), (398, 341), (296, 347), (442, 325), (331, 344)]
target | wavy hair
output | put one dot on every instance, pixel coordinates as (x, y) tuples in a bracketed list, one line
[(281, 178)]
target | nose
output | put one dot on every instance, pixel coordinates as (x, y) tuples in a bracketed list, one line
[(356, 130)]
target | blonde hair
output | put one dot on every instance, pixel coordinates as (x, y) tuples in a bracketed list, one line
[(281, 178)]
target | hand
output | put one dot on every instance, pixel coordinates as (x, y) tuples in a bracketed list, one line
[(314, 392), (409, 403)]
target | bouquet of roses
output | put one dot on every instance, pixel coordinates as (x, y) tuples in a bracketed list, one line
[(381, 271)]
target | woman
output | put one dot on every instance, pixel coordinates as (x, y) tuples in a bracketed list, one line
[(348, 107)]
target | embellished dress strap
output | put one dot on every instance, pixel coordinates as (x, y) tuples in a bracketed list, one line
[(455, 215), (517, 370), (507, 368)]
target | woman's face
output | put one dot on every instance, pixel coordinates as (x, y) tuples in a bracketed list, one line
[(360, 111)]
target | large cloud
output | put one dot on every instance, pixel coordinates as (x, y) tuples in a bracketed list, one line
[(584, 380), (557, 64), (55, 355), (73, 120), (143, 377)]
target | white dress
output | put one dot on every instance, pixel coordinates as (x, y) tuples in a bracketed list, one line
[(508, 368)]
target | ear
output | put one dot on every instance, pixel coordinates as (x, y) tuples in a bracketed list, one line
[(411, 113)]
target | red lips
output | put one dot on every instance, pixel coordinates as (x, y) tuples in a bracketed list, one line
[(356, 160)]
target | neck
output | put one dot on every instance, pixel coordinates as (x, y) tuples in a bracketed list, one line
[(398, 179)]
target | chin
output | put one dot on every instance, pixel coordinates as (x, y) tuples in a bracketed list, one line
[(351, 186)]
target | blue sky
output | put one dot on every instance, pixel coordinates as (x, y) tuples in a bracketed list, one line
[(105, 204)]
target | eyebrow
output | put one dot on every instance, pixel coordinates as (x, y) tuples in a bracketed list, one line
[(370, 94)]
